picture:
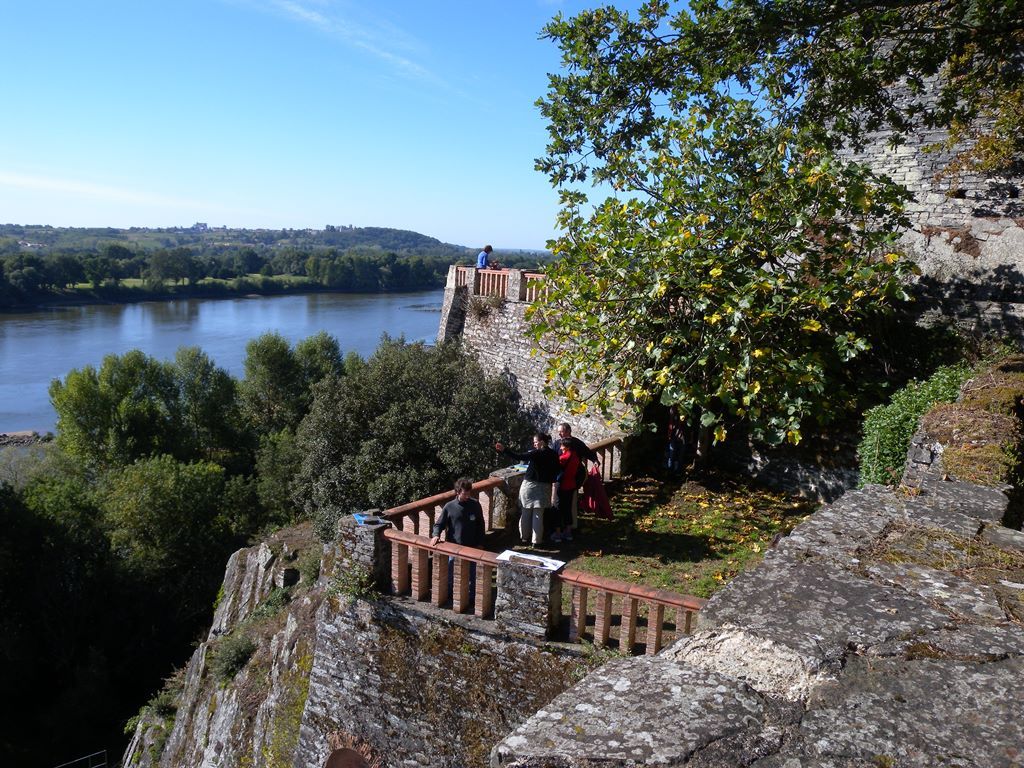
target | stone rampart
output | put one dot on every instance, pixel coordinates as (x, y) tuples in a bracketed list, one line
[(967, 229), (489, 317), (885, 630)]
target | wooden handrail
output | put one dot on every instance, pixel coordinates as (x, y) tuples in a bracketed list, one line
[(442, 547), (438, 499), (625, 589), (416, 570)]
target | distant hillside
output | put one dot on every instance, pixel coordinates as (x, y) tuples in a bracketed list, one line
[(43, 264), (204, 238)]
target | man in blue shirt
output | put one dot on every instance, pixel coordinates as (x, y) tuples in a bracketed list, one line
[(483, 259)]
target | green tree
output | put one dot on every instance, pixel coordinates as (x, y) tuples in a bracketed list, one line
[(318, 357), (273, 390), (732, 270), (135, 406), (958, 62), (127, 410), (278, 461), (164, 523), (401, 427), (209, 407)]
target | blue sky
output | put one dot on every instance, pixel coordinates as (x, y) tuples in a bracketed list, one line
[(280, 113)]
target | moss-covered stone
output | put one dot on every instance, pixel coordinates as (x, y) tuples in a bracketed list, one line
[(981, 434)]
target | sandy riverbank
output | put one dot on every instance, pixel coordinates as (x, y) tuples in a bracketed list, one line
[(25, 437)]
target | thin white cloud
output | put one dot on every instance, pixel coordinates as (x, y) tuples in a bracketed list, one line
[(333, 22), (90, 190), (87, 192)]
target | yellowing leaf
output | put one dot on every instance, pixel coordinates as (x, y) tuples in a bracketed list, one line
[(716, 272), (811, 325), (720, 433)]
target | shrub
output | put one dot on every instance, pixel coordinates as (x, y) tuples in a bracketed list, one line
[(230, 655), (309, 566), (278, 598), (887, 430), (354, 582)]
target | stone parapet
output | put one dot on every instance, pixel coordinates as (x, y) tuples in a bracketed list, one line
[(872, 634), (364, 548)]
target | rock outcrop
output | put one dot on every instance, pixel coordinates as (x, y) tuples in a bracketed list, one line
[(886, 630), (301, 660)]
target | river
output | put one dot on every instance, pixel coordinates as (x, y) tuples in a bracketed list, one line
[(37, 347)]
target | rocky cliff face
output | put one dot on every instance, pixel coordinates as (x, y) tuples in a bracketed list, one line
[(298, 663), (240, 698)]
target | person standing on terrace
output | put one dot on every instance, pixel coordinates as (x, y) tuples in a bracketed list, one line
[(535, 493), (462, 518), (462, 522), (483, 259), (568, 486), (584, 454)]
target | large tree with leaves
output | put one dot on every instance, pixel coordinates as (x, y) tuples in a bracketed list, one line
[(732, 269), (402, 426)]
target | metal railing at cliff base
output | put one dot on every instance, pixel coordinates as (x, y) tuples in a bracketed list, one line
[(95, 760), (605, 611)]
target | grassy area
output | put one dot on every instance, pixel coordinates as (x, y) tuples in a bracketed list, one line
[(688, 536)]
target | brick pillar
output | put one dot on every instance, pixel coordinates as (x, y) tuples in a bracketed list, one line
[(529, 600), (364, 546)]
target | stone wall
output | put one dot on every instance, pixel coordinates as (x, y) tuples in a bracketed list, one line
[(494, 329), (413, 686), (967, 232), (335, 664)]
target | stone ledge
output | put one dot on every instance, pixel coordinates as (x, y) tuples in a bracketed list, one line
[(872, 635)]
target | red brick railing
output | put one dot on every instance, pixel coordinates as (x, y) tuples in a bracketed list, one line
[(411, 573), (419, 516), (509, 284), (637, 619), (536, 286), (620, 609), (492, 282)]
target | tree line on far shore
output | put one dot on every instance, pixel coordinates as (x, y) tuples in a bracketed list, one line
[(40, 264), (114, 537)]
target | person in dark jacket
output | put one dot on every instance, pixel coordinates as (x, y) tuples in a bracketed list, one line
[(462, 518), (461, 522), (535, 493)]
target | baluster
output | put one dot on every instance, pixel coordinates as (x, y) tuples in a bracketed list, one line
[(460, 590), (421, 574), (440, 579), (578, 623), (484, 590), (687, 620), (627, 630), (487, 503), (602, 618), (655, 619), (399, 568)]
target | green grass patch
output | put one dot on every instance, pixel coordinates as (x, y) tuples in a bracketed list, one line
[(691, 537)]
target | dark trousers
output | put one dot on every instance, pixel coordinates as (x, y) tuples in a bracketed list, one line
[(563, 513)]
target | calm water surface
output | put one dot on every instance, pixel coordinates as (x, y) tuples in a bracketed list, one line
[(40, 346)]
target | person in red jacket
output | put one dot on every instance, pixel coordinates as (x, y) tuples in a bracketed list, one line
[(569, 460)]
